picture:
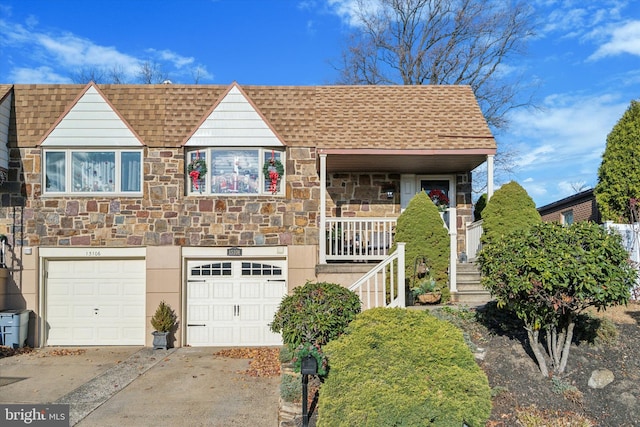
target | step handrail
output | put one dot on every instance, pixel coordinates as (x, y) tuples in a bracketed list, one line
[(372, 287)]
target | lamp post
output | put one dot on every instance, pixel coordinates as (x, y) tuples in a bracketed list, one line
[(308, 366)]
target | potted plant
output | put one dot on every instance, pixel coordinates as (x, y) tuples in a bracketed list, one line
[(426, 291), (163, 321)]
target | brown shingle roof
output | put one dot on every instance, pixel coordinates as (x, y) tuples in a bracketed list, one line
[(329, 117)]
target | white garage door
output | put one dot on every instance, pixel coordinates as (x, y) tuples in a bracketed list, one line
[(95, 302), (231, 303)]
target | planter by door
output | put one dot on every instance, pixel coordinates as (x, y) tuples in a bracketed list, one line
[(160, 340), (429, 298)]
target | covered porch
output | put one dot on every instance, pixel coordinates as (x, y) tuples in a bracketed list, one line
[(359, 208)]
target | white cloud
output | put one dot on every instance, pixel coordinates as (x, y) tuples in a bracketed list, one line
[(67, 53), (40, 74), (562, 144), (177, 60), (623, 39)]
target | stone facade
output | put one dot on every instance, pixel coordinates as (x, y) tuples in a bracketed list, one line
[(164, 215)]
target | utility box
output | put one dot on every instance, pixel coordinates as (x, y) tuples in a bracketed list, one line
[(14, 327)]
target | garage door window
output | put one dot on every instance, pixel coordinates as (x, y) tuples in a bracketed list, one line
[(259, 269), (215, 269)]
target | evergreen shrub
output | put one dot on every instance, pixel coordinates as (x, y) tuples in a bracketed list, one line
[(398, 367), (315, 313), (509, 209), (421, 228)]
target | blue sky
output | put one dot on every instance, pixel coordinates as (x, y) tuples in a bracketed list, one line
[(584, 62)]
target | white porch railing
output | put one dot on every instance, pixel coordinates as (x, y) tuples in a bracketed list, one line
[(358, 239), (383, 285), (474, 231)]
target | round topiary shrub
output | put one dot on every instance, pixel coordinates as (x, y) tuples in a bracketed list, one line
[(315, 313), (398, 367), (509, 209)]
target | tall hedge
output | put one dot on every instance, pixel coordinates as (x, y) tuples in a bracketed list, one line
[(509, 209), (398, 367), (618, 175), (421, 228)]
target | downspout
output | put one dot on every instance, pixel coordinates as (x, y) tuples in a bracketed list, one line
[(322, 231), (489, 176), (453, 251)]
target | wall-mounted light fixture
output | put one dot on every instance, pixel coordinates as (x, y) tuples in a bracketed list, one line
[(391, 191)]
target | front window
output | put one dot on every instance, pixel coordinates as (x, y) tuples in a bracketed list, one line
[(567, 217), (92, 171), (238, 171)]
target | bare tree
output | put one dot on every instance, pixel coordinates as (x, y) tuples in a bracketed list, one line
[(416, 42), (152, 73), (86, 75)]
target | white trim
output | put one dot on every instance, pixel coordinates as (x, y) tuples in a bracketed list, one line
[(219, 252)]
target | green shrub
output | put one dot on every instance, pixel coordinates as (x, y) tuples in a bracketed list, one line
[(315, 313), (291, 388), (398, 367), (509, 209), (552, 273), (421, 228), (286, 354)]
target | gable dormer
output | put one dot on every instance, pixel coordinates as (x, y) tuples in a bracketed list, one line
[(235, 150), (91, 122), (92, 150), (234, 122)]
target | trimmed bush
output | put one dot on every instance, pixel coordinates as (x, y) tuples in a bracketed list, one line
[(509, 209), (421, 228), (398, 367), (315, 313)]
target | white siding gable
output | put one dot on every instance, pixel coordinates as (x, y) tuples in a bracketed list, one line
[(234, 123), (5, 111), (91, 122)]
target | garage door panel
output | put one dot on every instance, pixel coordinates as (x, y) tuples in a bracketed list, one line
[(222, 313), (222, 290), (95, 302), (250, 290), (241, 302), (199, 313), (199, 290), (249, 312)]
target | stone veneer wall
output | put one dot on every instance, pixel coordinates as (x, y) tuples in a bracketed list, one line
[(362, 195), (365, 195), (163, 215)]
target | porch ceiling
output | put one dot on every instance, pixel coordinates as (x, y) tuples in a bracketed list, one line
[(404, 163)]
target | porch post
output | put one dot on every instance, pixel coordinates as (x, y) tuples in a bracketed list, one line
[(322, 232), (489, 176), (453, 250), (401, 276)]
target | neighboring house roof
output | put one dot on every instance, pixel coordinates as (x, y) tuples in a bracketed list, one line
[(583, 204)]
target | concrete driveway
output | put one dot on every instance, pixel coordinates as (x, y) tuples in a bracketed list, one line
[(139, 386)]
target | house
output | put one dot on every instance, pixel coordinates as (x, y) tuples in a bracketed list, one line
[(577, 207), (216, 199)]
